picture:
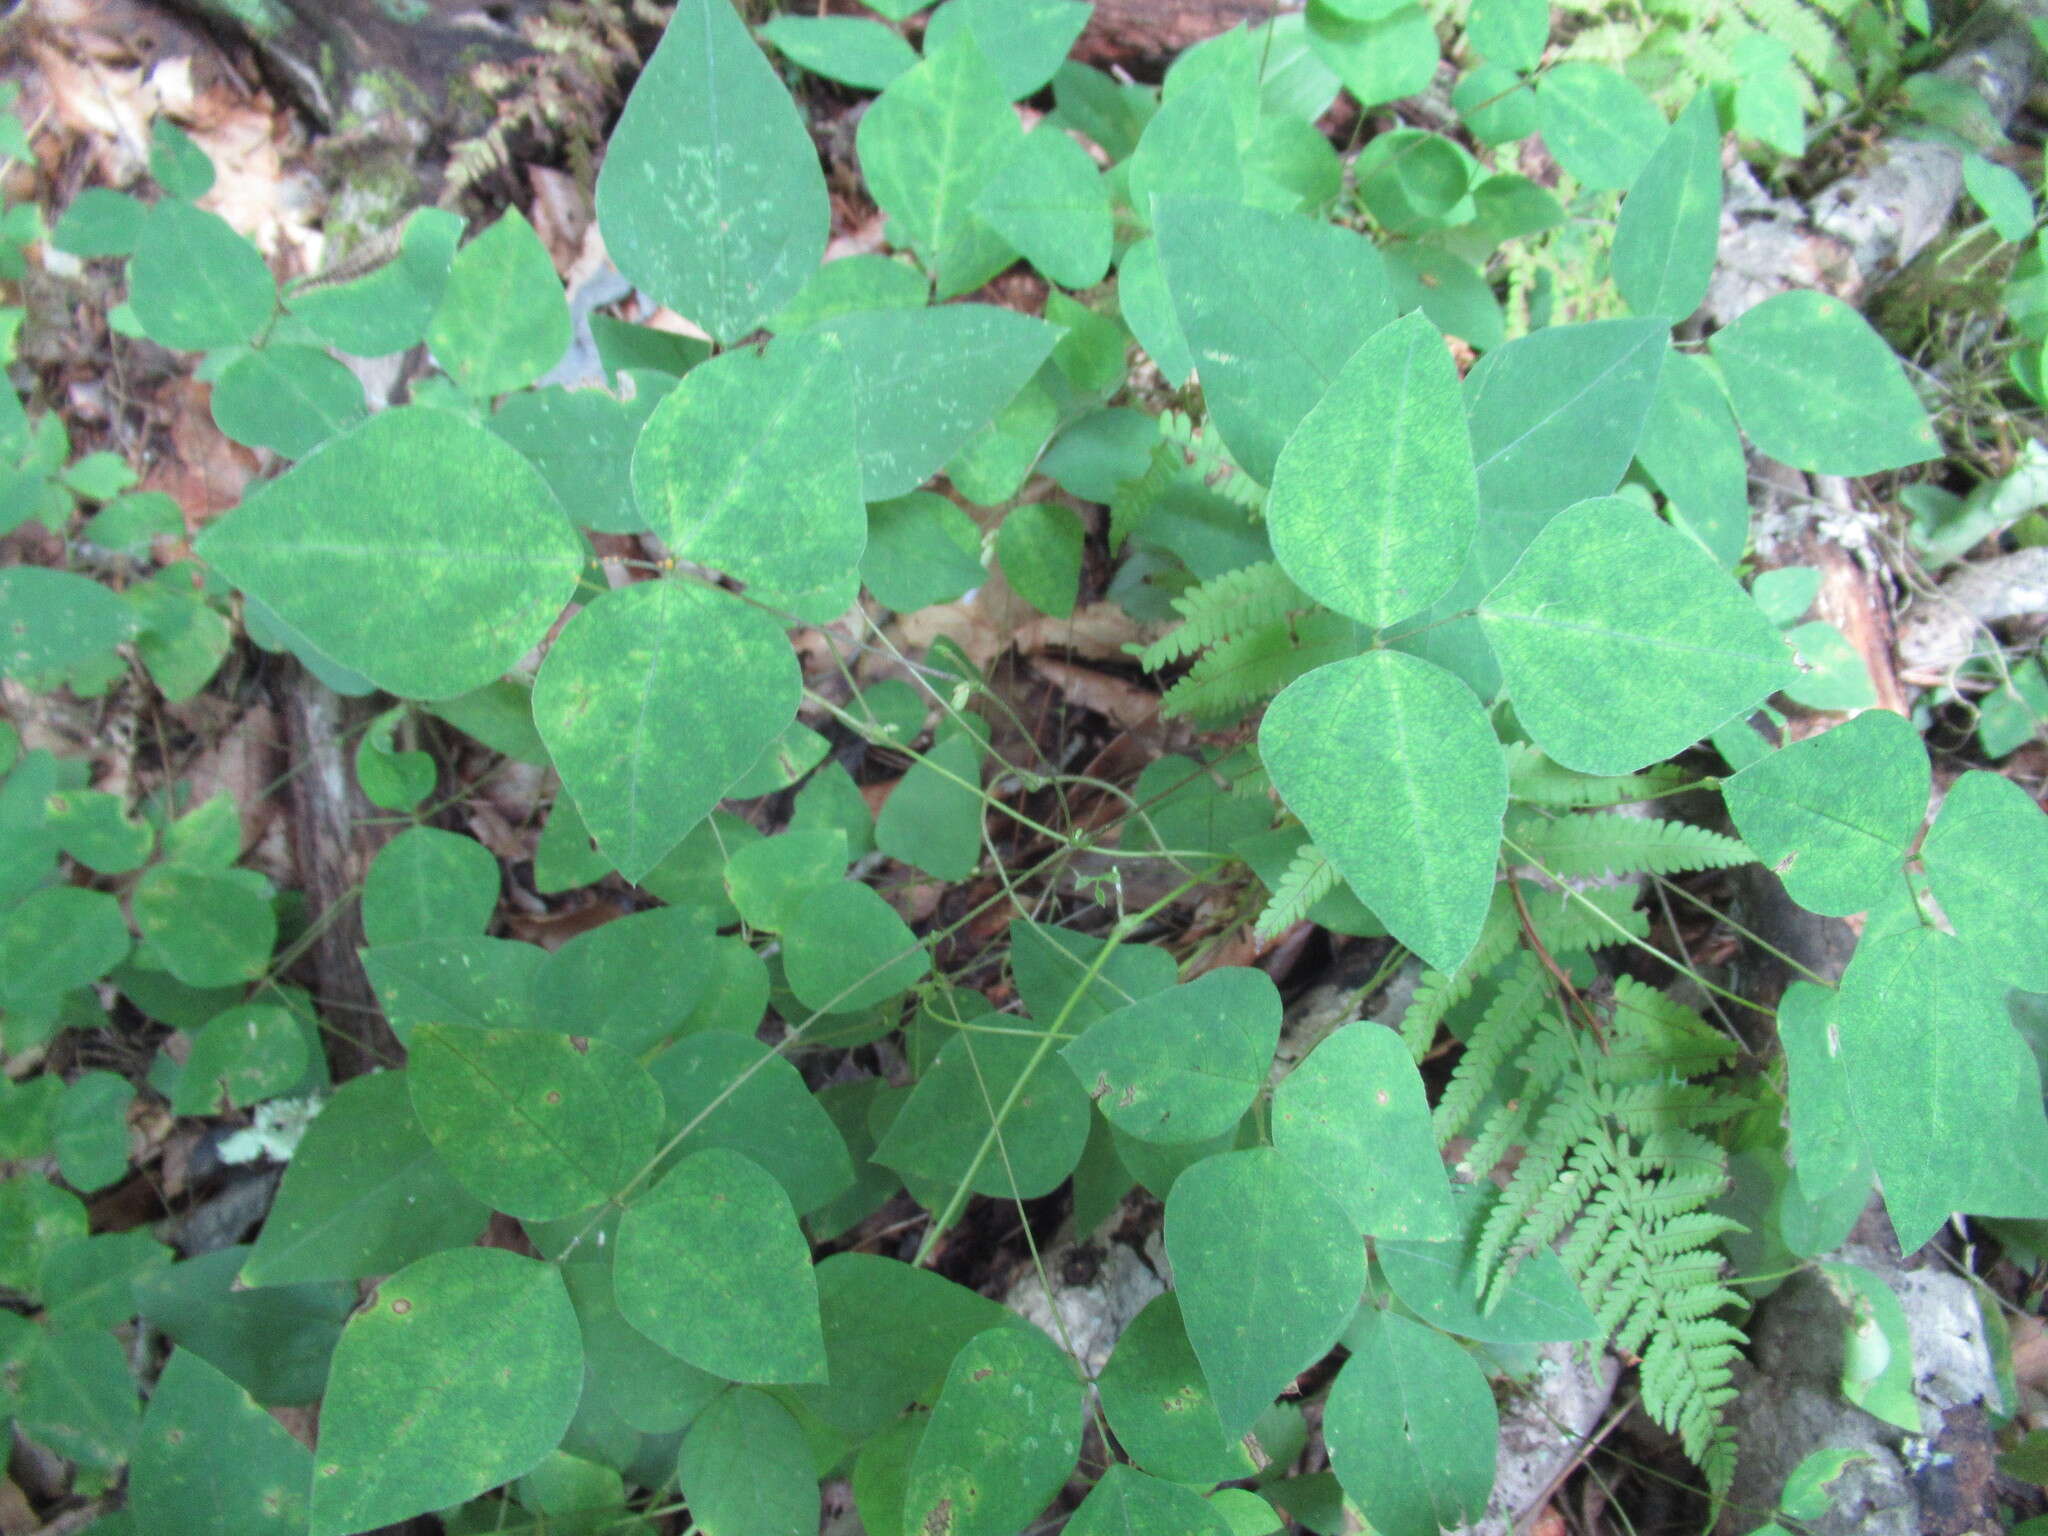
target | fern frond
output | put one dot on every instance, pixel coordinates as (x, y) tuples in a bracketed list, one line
[(1569, 922), (1811, 36), (1204, 454), (1249, 666), (1496, 1038), (1221, 607), (1536, 780), (1604, 844), (1309, 878), (1134, 500)]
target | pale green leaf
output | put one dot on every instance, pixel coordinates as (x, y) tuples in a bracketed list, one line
[(1381, 60), (1693, 451), (986, 1116), (1183, 1065), (1128, 1503), (413, 501), (211, 930), (1946, 1094), (1024, 40), (1354, 1117), (633, 981), (750, 465), (288, 399), (246, 1054), (1374, 501), (1157, 1401), (711, 197), (485, 982), (194, 283), (89, 1131), (536, 1124), (1599, 126), (978, 1471), (1987, 860), (386, 310), (713, 1267), (57, 939), (209, 1462), (1048, 203), (1267, 352), (1510, 32), (924, 380), (929, 146), (581, 440), (364, 1193), (1622, 642), (932, 819), (746, 1466), (1412, 1427), (921, 550), (1670, 225), (723, 1089), (1039, 549), (653, 702), (848, 950), (429, 884), (1440, 1283), (503, 320), (850, 49), (410, 1424), (2003, 197), (1268, 1268), (644, 1384), (50, 621), (1391, 764), (1815, 387), (1147, 308), (1835, 815)]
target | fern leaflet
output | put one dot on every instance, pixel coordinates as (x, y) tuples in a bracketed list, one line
[(1221, 607), (1310, 877), (1605, 844), (1258, 662)]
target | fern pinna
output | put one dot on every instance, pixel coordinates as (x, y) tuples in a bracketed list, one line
[(1613, 1162)]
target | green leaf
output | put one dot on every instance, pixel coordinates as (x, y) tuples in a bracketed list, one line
[(848, 950), (1156, 1400), (1047, 201), (746, 1466), (977, 1117), (1946, 1094), (662, 681), (209, 1461), (974, 1473), (276, 1342), (503, 320), (850, 49), (1439, 1282), (180, 166), (751, 465), (95, 829), (100, 222), (1380, 60), (1877, 1347), (1496, 104), (1815, 387), (924, 380), (36, 1218), (288, 399), (721, 1089), (1412, 1428), (713, 1267), (90, 1131), (1354, 1117), (1185, 1064), (649, 1388), (88, 1281), (1670, 225), (484, 982), (1413, 828), (364, 1193), (1050, 965), (581, 440), (929, 146), (1997, 190), (211, 930), (57, 939), (849, 285), (414, 500), (53, 620), (1599, 126), (429, 884), (1510, 32), (1987, 858), (1039, 549), (1147, 308), (1025, 41), (1556, 416), (1622, 642), (1268, 1268), (1267, 353), (409, 1423), (711, 197), (1693, 451), (1374, 501), (78, 1397), (242, 1056), (389, 309), (932, 819), (921, 550), (194, 283), (535, 1124), (1836, 814), (769, 880), (1128, 1503), (1412, 181), (632, 981)]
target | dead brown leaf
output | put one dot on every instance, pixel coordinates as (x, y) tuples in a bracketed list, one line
[(1123, 703)]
